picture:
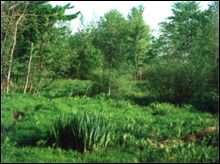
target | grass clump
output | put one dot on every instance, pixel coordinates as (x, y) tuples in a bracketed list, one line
[(81, 131)]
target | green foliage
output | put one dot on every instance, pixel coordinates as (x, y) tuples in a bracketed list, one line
[(212, 139), (138, 40), (207, 101), (175, 80), (110, 39), (81, 131), (161, 109), (101, 82), (184, 69), (71, 74), (160, 137), (182, 82), (62, 88), (29, 154), (181, 31), (87, 58), (38, 27)]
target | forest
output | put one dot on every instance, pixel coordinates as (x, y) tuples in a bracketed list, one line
[(112, 91)]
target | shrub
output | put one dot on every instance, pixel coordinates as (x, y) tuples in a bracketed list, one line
[(61, 88), (81, 131), (171, 81), (182, 82), (207, 101), (101, 82)]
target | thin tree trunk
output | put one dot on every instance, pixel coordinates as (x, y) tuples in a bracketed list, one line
[(3, 43), (11, 59), (140, 74), (109, 79), (2, 57), (2, 4), (11, 54), (29, 68)]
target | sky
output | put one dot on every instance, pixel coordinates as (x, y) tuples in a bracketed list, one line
[(154, 13)]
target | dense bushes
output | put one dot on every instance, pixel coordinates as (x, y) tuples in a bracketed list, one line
[(172, 81), (180, 81), (207, 101)]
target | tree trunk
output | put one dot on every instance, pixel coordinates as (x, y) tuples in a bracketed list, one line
[(12, 51), (140, 74), (3, 43), (29, 68), (109, 79), (10, 60), (2, 57), (2, 4)]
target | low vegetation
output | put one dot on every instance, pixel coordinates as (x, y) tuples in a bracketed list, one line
[(111, 91), (84, 129)]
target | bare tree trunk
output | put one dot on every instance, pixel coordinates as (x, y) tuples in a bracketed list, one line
[(109, 79), (3, 43), (12, 51), (140, 74), (10, 60), (2, 57), (109, 85), (2, 4), (29, 68)]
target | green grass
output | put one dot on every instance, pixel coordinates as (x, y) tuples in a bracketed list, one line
[(81, 131), (159, 132)]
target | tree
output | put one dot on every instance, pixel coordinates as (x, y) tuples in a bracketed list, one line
[(14, 12), (110, 37), (40, 23), (181, 29), (186, 71), (139, 39), (47, 18), (29, 68), (86, 57)]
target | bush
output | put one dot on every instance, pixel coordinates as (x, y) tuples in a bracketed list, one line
[(179, 82), (61, 88), (101, 82), (81, 131), (171, 80), (207, 101)]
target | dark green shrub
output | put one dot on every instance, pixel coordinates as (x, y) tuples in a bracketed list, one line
[(207, 101), (178, 81), (81, 131), (171, 81)]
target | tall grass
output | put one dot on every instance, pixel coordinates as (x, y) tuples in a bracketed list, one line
[(81, 131)]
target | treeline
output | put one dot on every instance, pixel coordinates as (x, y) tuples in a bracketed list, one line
[(179, 66)]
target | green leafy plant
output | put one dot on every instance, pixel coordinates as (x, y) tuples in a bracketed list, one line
[(64, 88), (81, 131)]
